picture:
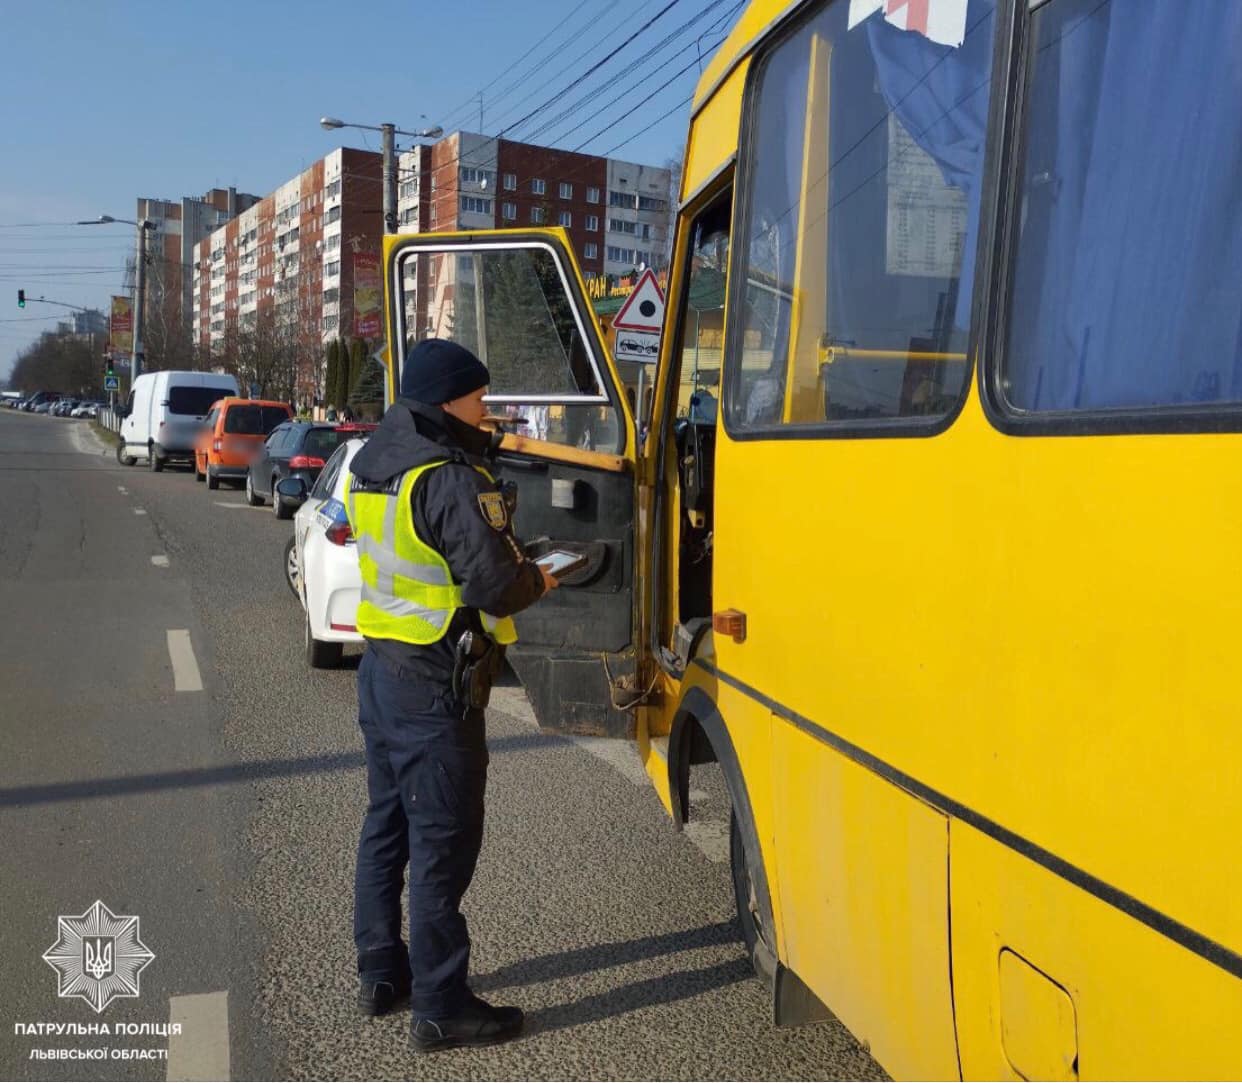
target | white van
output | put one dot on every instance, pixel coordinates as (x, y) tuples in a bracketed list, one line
[(164, 412)]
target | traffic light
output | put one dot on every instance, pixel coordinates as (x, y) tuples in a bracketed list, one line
[(21, 298)]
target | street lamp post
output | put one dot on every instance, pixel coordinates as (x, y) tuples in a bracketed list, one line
[(136, 357), (388, 132)]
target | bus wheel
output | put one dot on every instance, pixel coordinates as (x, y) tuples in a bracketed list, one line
[(743, 889)]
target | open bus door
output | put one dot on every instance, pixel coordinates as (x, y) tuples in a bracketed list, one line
[(518, 301)]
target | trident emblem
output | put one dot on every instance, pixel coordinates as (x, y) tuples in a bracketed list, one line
[(98, 950)]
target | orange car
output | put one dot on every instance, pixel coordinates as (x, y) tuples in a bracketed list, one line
[(233, 433)]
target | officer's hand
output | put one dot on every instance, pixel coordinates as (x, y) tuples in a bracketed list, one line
[(550, 582)]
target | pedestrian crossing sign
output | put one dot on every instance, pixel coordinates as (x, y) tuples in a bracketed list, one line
[(112, 383)]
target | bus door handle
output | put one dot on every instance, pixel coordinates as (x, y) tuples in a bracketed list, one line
[(730, 622)]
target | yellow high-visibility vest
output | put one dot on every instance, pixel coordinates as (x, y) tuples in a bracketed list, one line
[(408, 593)]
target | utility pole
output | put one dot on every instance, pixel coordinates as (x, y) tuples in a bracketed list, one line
[(140, 276), (387, 134)]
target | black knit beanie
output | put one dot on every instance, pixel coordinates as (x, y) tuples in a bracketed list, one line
[(438, 371)]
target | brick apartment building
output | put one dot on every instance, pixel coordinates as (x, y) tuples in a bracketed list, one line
[(180, 226), (284, 266), (282, 270), (617, 213)]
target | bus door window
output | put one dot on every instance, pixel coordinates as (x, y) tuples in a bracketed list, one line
[(863, 168), (698, 355)]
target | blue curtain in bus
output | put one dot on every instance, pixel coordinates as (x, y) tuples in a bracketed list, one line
[(1128, 285), (940, 96)]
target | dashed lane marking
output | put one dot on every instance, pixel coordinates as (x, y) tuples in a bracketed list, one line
[(186, 677), (140, 511), (234, 504), (201, 1050), (160, 561), (122, 489)]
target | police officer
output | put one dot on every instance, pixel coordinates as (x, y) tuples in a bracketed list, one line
[(439, 560)]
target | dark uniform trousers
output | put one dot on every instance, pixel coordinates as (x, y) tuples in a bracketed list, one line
[(426, 774)]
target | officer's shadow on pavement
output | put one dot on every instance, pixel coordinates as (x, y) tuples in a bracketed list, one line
[(661, 989)]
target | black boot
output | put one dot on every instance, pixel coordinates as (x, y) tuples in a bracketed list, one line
[(382, 997), (478, 1023)]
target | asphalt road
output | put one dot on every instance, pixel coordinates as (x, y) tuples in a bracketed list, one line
[(226, 820)]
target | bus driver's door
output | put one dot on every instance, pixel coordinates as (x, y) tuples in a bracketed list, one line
[(516, 299)]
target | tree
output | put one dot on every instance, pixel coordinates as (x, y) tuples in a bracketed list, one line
[(357, 362), (331, 376)]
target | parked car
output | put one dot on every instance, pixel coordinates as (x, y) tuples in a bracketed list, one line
[(321, 559), (85, 409), (64, 406), (294, 449), (232, 434), (42, 399), (164, 412)]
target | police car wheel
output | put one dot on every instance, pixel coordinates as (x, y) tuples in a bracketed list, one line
[(293, 574), (319, 654)]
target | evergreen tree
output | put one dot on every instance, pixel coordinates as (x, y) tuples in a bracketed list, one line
[(333, 353), (357, 363)]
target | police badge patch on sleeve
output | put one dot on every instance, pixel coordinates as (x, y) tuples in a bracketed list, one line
[(492, 505)]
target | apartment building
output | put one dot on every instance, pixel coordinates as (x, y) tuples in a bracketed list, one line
[(179, 226), (282, 271)]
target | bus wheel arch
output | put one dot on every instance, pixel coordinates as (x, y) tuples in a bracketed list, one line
[(698, 736)]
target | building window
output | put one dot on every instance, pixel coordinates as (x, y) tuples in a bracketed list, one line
[(510, 182), (641, 257), (650, 203), (476, 205), (410, 214), (409, 189), (331, 296), (565, 219), (330, 322), (621, 199), (333, 268), (470, 175), (620, 255), (333, 242), (509, 211), (538, 186), (619, 225), (592, 195), (590, 251), (565, 190), (333, 215), (537, 216), (646, 231), (592, 223)]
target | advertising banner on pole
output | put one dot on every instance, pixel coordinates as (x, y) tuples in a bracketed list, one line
[(368, 295), (121, 327)]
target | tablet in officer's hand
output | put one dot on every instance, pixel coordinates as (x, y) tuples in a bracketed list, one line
[(560, 562)]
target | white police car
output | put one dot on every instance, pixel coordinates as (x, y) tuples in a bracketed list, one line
[(321, 559)]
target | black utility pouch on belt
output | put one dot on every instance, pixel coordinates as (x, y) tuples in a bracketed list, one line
[(476, 664)]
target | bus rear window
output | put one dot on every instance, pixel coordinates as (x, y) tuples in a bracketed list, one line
[(246, 420), (193, 401)]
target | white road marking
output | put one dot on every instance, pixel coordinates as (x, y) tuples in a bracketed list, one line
[(697, 795), (160, 561), (122, 489), (140, 511), (201, 1050), (186, 677), (711, 837), (232, 504)]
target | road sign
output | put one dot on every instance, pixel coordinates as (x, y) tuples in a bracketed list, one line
[(638, 346), (112, 383), (643, 310)]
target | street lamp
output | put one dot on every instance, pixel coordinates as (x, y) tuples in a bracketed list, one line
[(388, 131), (142, 226)]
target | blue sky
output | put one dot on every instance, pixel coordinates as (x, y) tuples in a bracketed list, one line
[(103, 103)]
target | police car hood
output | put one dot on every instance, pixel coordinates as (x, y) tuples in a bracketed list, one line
[(413, 434)]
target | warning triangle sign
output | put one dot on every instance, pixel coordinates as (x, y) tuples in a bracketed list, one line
[(644, 308)]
